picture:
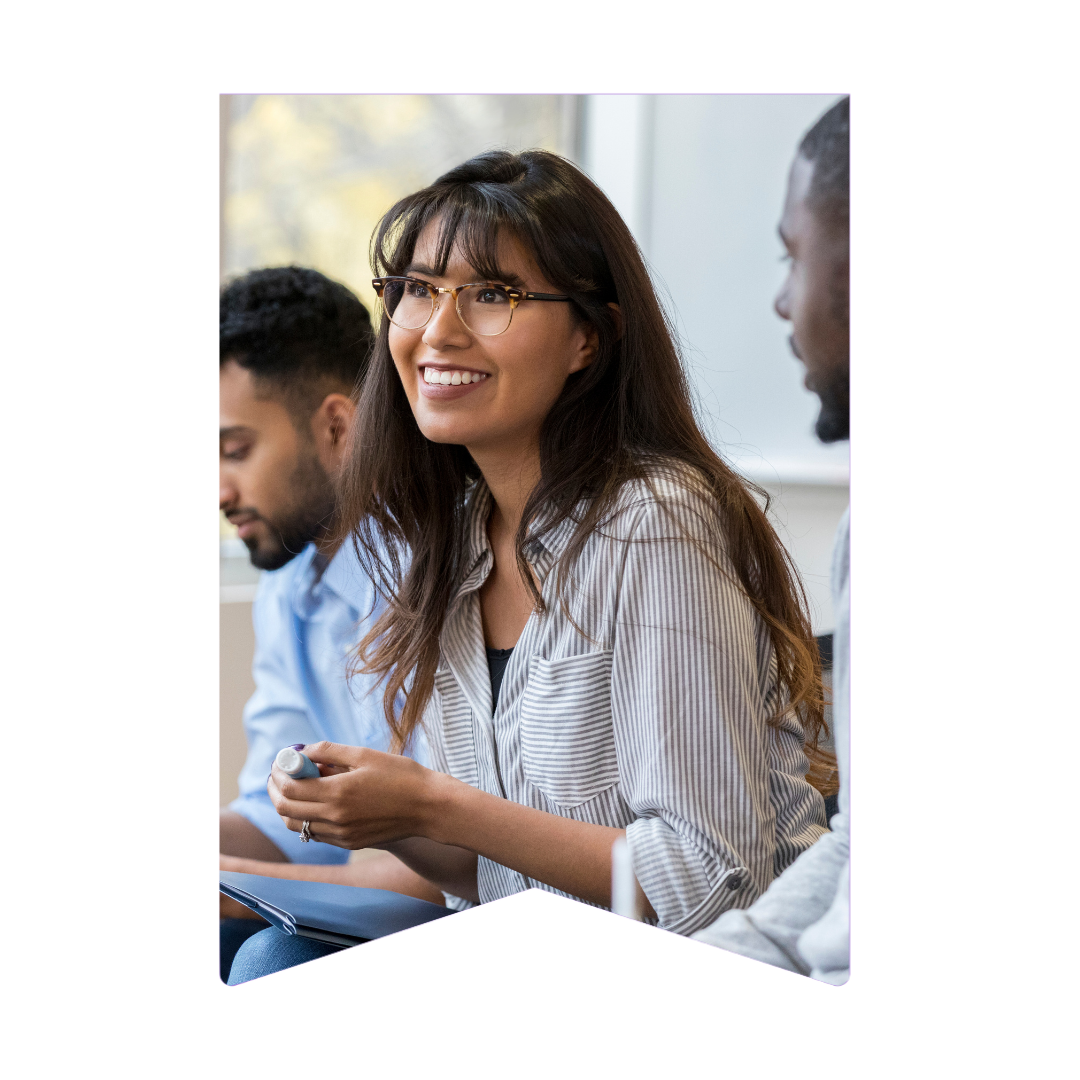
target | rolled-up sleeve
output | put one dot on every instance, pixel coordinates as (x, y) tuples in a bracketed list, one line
[(693, 682)]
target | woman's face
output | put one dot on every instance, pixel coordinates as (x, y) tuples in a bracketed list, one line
[(522, 370)]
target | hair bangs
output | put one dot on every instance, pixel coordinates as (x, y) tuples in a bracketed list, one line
[(470, 221)]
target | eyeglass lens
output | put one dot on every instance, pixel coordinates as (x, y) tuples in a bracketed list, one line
[(483, 309)]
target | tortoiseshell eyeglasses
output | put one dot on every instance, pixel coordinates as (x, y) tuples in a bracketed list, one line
[(485, 307)]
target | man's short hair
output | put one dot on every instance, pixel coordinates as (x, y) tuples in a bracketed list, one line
[(826, 144), (300, 334)]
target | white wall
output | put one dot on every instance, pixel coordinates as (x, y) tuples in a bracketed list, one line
[(700, 181)]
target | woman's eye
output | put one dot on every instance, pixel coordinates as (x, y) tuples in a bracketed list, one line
[(491, 296), (418, 289)]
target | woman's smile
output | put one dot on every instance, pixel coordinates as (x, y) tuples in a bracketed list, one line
[(440, 382)]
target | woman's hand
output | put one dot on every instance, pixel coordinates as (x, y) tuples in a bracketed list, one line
[(369, 799), (364, 797)]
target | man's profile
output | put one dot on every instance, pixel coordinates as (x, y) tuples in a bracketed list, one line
[(801, 922), (293, 348)]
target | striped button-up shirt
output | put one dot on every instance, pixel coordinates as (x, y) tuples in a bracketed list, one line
[(649, 714)]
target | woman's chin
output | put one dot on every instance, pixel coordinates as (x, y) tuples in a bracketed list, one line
[(440, 430)]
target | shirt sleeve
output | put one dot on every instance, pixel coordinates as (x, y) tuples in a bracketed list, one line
[(711, 784), (801, 923), (275, 716)]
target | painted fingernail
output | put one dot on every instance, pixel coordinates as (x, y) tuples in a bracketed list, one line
[(298, 745)]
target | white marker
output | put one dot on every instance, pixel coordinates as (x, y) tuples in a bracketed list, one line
[(297, 765)]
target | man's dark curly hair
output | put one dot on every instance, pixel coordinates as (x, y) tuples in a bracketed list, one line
[(826, 144), (302, 335)]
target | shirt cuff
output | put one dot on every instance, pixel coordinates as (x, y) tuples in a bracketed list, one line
[(261, 814), (673, 876)]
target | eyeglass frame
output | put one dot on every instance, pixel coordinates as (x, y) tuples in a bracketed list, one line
[(514, 294)]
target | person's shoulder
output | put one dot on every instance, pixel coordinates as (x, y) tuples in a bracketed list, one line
[(667, 489), (348, 577)]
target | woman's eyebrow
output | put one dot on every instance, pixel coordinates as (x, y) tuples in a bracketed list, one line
[(511, 279), (420, 268), (502, 277)]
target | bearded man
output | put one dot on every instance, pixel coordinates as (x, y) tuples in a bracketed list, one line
[(801, 921), (294, 349)]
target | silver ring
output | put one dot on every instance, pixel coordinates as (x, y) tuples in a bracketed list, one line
[(305, 833)]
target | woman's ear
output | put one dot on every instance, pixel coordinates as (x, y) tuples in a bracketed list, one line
[(330, 428), (587, 339)]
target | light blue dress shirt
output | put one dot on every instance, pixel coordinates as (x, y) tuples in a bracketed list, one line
[(305, 628)]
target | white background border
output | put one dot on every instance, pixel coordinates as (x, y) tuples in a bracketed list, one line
[(964, 392)]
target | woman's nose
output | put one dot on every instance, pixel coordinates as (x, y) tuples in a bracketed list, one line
[(445, 326)]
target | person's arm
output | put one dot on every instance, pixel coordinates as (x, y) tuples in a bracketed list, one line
[(378, 871), (276, 715), (238, 837), (382, 800), (718, 792)]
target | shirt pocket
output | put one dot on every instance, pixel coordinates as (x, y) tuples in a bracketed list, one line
[(567, 742)]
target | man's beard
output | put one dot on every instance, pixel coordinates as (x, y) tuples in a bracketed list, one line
[(834, 419), (306, 520)]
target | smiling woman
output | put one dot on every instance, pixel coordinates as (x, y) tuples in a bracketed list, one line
[(594, 622), (444, 352)]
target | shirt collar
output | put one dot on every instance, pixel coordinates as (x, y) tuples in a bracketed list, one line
[(478, 557), (341, 575), (542, 551)]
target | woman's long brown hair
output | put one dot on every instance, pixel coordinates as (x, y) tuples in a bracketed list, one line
[(403, 497)]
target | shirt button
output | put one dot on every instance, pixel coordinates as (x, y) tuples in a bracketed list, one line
[(733, 882)]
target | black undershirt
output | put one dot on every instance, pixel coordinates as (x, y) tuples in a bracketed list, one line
[(497, 660)]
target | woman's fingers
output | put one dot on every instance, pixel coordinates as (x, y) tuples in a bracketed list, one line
[(321, 831), (329, 753), (358, 801), (300, 810), (312, 800), (333, 770), (282, 786)]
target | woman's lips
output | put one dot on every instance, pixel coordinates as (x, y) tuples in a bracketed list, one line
[(443, 391)]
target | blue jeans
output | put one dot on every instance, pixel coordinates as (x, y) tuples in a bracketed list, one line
[(234, 932), (270, 950)]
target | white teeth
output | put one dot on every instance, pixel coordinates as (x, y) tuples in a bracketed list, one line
[(452, 378)]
